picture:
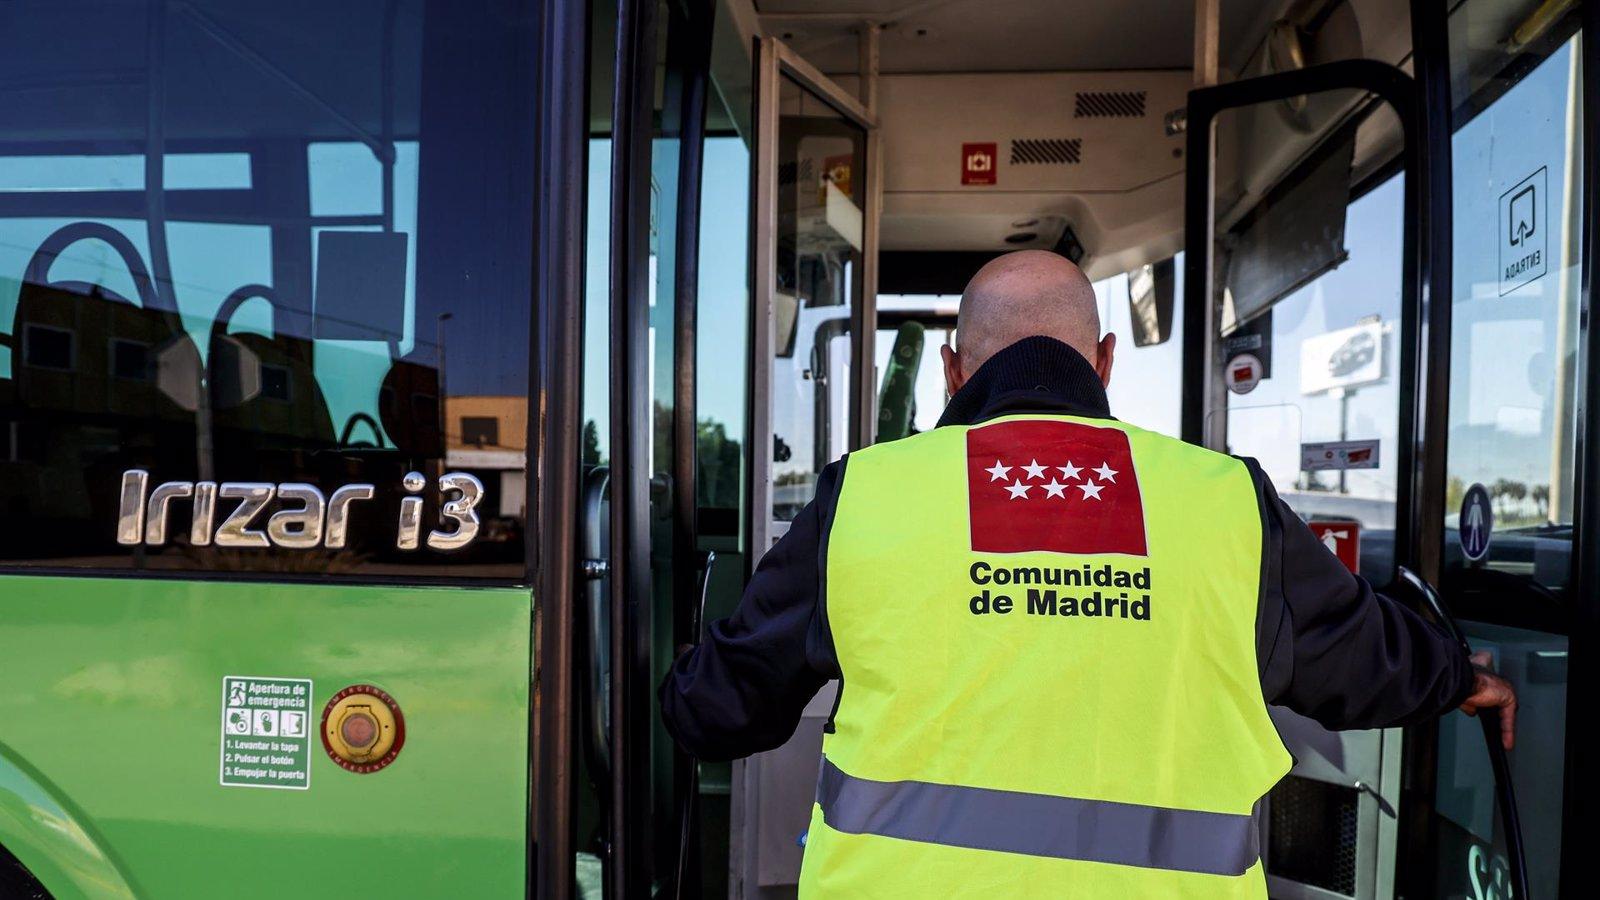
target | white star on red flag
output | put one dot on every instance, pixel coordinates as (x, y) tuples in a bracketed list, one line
[(1090, 489), (1106, 473), (1069, 471), (1018, 490), (1034, 470), (998, 472)]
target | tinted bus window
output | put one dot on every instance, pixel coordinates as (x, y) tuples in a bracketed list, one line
[(265, 286)]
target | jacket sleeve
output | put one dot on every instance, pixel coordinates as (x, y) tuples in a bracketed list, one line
[(1332, 648), (743, 689)]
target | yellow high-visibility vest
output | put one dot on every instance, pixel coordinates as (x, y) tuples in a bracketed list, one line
[(1046, 627)]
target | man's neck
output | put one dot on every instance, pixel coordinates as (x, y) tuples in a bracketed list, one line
[(1036, 374)]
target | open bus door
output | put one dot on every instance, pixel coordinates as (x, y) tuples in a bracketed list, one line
[(1313, 343), (643, 577), (812, 385)]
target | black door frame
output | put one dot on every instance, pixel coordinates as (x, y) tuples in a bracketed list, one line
[(1582, 790), (553, 442), (638, 857)]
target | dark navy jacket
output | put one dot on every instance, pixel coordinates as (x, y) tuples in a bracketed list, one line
[(1328, 646)]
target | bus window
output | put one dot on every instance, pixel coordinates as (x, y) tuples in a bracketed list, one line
[(1518, 239), (1144, 387), (258, 276), (1514, 394), (1146, 381), (910, 367), (1308, 278), (1329, 349)]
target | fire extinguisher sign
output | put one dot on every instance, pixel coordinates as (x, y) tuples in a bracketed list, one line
[(979, 163), (1343, 539)]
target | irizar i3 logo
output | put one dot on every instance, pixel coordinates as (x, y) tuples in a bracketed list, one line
[(317, 520)]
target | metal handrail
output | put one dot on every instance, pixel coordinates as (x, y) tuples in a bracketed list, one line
[(593, 527), (691, 789)]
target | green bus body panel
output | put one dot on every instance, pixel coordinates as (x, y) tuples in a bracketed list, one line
[(110, 739)]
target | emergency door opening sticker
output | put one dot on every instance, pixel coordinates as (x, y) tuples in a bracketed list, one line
[(266, 732)]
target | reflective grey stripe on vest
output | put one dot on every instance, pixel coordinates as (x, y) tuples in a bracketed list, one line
[(1152, 837)]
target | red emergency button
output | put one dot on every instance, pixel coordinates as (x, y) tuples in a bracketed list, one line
[(363, 729), (360, 729)]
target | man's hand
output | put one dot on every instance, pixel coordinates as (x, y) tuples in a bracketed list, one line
[(1490, 691)]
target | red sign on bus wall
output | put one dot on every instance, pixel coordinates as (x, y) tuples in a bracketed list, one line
[(1343, 539), (979, 162)]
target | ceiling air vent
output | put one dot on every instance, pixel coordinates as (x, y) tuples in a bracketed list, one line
[(1046, 151), (1109, 105)]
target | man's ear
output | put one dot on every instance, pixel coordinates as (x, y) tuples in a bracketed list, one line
[(953, 379), (1103, 353)]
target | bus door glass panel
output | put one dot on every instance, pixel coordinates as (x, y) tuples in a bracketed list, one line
[(821, 228), (1309, 272), (1516, 157), (814, 239), (651, 776), (1307, 318)]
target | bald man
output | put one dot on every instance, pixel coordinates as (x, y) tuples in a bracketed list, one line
[(1056, 636)]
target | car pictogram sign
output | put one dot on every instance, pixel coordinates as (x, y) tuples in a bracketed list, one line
[(1062, 487)]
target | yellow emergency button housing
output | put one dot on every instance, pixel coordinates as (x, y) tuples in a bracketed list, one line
[(362, 729)]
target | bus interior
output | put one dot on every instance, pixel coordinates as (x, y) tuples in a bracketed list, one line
[(1255, 190)]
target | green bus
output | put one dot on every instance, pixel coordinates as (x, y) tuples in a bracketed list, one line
[(389, 387)]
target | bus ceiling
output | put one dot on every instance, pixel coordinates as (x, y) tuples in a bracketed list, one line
[(1080, 103)]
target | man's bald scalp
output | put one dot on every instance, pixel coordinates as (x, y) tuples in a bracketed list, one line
[(1022, 294)]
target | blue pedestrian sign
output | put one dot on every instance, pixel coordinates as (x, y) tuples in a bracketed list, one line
[(1476, 524)]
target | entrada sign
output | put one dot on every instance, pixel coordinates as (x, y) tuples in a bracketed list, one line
[(317, 521)]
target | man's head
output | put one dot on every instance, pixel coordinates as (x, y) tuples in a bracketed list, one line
[(1019, 295)]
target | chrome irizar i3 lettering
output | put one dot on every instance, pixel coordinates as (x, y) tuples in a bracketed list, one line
[(317, 521)]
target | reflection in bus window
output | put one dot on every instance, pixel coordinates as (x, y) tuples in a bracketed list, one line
[(722, 388), (1331, 349), (1518, 239), (821, 195), (270, 261)]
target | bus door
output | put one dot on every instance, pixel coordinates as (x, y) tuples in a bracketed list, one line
[(812, 384), (1305, 342), (634, 822), (1514, 551), (267, 290)]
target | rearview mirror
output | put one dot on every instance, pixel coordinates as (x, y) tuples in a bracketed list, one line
[(1150, 293)]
